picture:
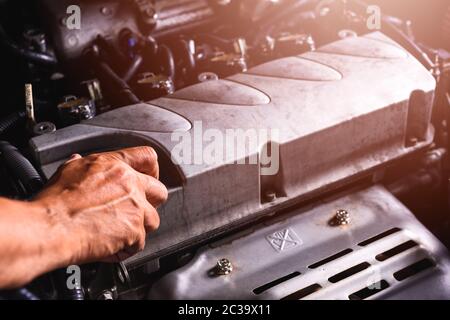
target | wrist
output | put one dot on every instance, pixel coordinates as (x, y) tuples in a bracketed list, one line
[(33, 241), (57, 235)]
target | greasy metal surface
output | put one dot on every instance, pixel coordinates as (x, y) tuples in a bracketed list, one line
[(331, 130), (297, 68), (298, 246), (101, 17), (379, 48), (162, 120), (223, 92), (108, 18), (174, 15)]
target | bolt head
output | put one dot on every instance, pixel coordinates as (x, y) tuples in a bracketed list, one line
[(106, 11), (270, 196), (107, 295), (342, 217), (413, 141), (224, 267)]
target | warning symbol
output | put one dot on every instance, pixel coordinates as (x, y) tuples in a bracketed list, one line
[(284, 240)]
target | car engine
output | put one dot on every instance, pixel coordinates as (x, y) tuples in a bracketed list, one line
[(304, 143)]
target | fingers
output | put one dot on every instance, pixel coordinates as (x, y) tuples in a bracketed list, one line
[(129, 251), (155, 192), (139, 245), (73, 158), (141, 159), (151, 219)]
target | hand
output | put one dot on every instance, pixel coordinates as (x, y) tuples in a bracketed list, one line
[(105, 203)]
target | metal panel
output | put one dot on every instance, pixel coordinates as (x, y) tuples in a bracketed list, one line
[(301, 246)]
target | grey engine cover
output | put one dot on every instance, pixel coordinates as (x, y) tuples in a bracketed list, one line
[(341, 111)]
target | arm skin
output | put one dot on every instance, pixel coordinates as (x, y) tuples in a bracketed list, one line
[(98, 208)]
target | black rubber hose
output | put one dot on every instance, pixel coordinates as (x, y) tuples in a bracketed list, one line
[(21, 168), (107, 75), (31, 56), (133, 68), (10, 121), (188, 56), (167, 60)]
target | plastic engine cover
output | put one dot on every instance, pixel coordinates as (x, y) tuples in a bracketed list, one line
[(339, 112)]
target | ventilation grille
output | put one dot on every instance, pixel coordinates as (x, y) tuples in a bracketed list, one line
[(375, 265)]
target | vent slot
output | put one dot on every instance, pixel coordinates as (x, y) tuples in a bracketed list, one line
[(379, 237), (397, 250), (414, 269), (369, 291), (274, 283), (329, 259), (303, 292), (349, 272)]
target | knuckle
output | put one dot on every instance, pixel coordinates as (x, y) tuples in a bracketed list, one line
[(141, 242), (94, 157), (103, 157), (123, 174), (160, 192), (164, 193), (155, 222), (149, 152), (120, 171), (120, 154), (97, 159)]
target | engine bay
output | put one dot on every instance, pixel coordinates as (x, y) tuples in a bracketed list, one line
[(304, 143)]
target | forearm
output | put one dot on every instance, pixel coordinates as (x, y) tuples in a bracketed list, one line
[(96, 208), (31, 242)]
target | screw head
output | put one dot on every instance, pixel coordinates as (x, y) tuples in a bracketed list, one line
[(342, 217), (270, 196), (208, 76), (413, 141), (43, 128), (224, 267), (106, 11)]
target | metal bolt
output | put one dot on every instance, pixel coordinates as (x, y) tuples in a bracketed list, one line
[(342, 217), (412, 142), (151, 13), (43, 128), (29, 102), (72, 41), (106, 295), (106, 11), (207, 76), (224, 267), (270, 196), (346, 33)]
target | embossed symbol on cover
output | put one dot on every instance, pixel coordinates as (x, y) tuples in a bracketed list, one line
[(284, 240)]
